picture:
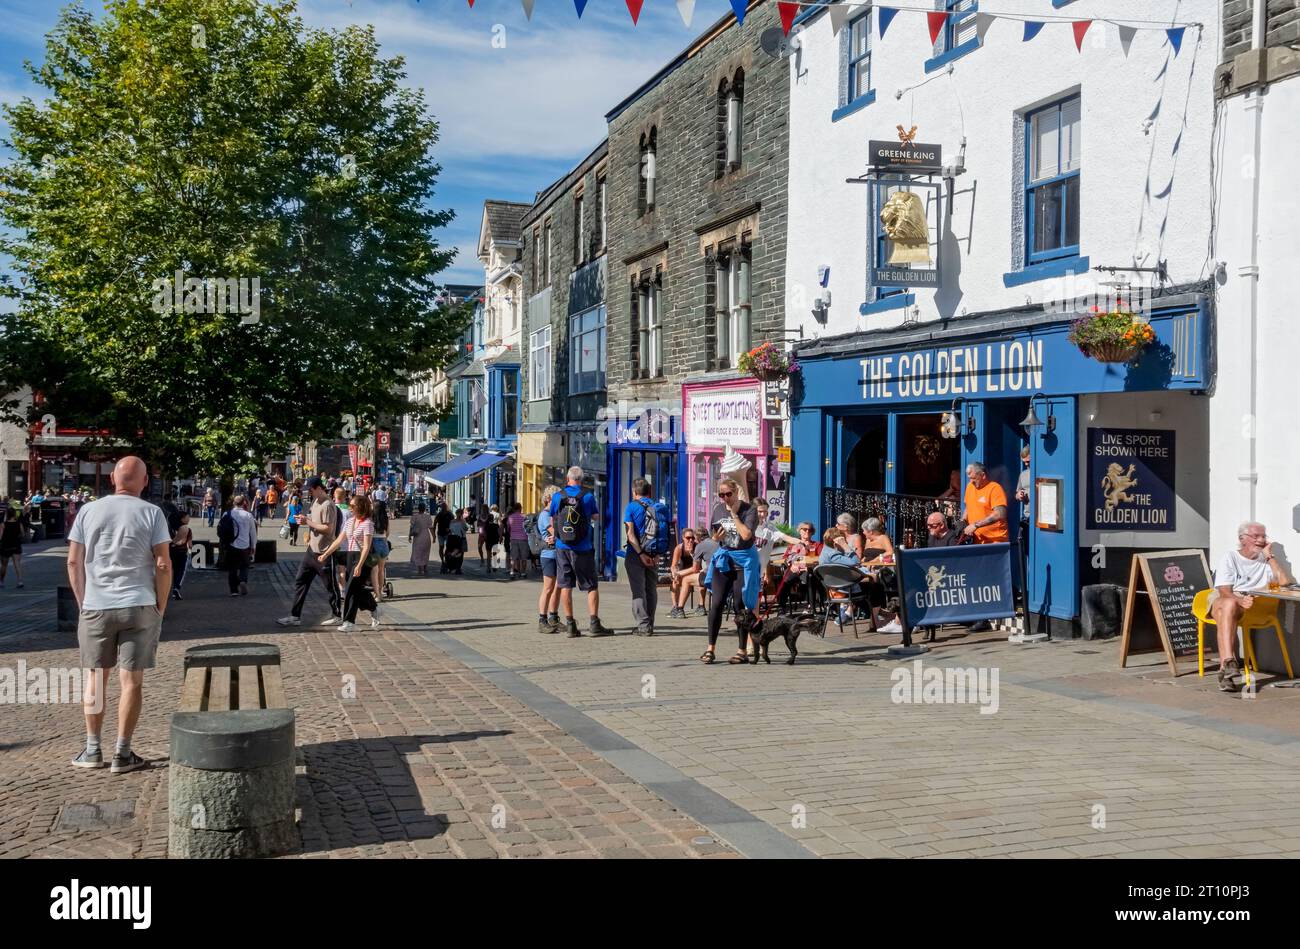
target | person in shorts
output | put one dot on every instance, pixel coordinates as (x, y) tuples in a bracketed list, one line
[(120, 572), (520, 554), (1253, 566), (548, 603), (572, 511)]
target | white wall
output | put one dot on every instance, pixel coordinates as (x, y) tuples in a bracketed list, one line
[(1185, 414), (1123, 169), (1274, 355)]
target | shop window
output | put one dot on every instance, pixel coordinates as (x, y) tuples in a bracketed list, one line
[(729, 283), (1053, 158), (587, 351), (647, 175), (539, 364), (731, 93), (647, 325)]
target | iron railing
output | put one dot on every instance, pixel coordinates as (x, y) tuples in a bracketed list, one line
[(904, 514)]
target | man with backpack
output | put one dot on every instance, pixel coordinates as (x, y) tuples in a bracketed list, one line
[(571, 511), (645, 523), (237, 531)]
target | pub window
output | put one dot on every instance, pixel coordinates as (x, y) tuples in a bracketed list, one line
[(859, 62), (647, 173), (729, 280), (730, 98), (1052, 181)]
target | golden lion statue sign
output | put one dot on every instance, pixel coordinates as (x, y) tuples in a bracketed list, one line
[(903, 218)]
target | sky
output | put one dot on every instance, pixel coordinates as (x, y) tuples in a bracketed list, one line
[(519, 102)]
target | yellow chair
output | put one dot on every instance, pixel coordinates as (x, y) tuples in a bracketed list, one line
[(1261, 615)]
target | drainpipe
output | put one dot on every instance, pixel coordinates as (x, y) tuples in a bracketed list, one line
[(1254, 106)]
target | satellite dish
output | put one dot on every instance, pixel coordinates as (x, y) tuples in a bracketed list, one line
[(776, 44)]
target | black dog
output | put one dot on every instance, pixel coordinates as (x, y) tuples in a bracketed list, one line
[(764, 632)]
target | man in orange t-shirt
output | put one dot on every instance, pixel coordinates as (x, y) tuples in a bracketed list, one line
[(985, 509)]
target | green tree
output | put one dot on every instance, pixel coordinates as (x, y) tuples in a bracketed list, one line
[(225, 140)]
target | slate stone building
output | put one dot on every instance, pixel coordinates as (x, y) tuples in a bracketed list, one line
[(698, 161)]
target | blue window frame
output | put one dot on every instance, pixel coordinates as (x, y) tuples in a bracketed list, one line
[(1052, 173), (960, 27), (859, 62), (882, 241)]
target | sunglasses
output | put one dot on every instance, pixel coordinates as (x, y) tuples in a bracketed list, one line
[(725, 494)]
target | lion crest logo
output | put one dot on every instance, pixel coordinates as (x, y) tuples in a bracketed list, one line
[(1115, 484), (934, 577)]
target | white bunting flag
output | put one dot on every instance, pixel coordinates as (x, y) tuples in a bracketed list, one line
[(1126, 34), (982, 23), (840, 14), (687, 10)]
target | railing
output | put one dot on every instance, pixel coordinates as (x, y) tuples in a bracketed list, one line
[(904, 514)]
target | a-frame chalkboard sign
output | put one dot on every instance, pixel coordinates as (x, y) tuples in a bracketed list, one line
[(1158, 610)]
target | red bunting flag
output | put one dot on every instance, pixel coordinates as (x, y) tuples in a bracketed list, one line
[(471, 4), (1080, 28), (788, 12), (937, 22), (634, 8)]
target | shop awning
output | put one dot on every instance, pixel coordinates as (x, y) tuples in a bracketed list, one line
[(465, 466), (426, 456)]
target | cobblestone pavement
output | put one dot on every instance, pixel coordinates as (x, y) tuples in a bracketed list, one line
[(429, 758), (629, 746)]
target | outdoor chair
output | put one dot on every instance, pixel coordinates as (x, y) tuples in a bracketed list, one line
[(1261, 615), (836, 578)]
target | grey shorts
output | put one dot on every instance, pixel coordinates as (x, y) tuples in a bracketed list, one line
[(127, 636), (575, 568), (519, 550)]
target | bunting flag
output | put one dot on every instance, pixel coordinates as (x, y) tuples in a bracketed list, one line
[(937, 21), (1032, 28), (982, 23), (886, 15), (686, 9), (788, 12), (738, 7), (839, 16), (1176, 38), (1126, 34), (1080, 28), (471, 4), (580, 5), (634, 8)]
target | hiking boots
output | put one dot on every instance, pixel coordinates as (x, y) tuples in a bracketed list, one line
[(599, 629), (677, 613), (547, 626), (573, 628), (1227, 676)]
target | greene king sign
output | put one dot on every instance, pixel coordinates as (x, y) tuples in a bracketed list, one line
[(916, 158)]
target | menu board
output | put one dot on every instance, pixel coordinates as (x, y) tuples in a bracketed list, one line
[(1158, 610)]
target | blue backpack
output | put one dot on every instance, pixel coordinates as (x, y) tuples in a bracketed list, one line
[(654, 538)]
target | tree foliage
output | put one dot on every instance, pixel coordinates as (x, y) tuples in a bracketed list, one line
[(223, 139)]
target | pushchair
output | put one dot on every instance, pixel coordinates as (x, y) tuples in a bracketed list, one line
[(453, 555)]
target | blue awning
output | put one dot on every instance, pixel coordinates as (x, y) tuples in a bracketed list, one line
[(426, 456), (465, 466)]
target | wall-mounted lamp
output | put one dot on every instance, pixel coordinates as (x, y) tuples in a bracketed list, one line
[(955, 422), (1032, 421)]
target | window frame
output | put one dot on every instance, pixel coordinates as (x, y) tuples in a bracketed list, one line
[(1059, 180), (881, 239), (853, 61), (579, 383), (957, 17), (546, 232), (539, 366), (579, 230)]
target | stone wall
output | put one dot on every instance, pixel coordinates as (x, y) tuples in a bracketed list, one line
[(1283, 25)]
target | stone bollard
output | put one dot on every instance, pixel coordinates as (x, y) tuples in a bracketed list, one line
[(264, 552), (68, 613)]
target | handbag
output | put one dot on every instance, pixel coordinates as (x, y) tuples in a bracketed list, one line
[(284, 531)]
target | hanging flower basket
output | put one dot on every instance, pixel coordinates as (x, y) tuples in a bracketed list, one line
[(1114, 336), (767, 363)]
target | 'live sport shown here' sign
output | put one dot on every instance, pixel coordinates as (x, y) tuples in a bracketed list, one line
[(1131, 480), (956, 584)]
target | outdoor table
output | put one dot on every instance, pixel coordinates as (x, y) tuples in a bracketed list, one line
[(1284, 595)]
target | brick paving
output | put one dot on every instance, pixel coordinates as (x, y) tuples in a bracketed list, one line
[(454, 723), (429, 759)]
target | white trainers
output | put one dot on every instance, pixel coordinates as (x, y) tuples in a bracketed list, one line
[(331, 621), (347, 627), (288, 621), (374, 618), (893, 626)]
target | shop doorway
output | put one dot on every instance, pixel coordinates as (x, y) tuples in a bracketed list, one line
[(926, 460), (865, 438)]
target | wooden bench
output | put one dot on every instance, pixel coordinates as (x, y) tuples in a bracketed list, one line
[(231, 773)]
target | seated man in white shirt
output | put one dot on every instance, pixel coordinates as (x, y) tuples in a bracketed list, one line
[(1251, 566)]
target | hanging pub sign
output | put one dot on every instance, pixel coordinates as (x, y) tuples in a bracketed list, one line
[(905, 250), (1131, 480), (906, 156), (775, 395)]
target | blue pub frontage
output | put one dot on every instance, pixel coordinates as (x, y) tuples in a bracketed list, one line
[(1118, 464)]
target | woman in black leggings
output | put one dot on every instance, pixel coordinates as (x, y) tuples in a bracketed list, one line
[(738, 520)]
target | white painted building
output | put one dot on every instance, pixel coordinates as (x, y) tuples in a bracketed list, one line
[(1056, 161)]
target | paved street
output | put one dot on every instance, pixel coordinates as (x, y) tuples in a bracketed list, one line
[(630, 747)]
